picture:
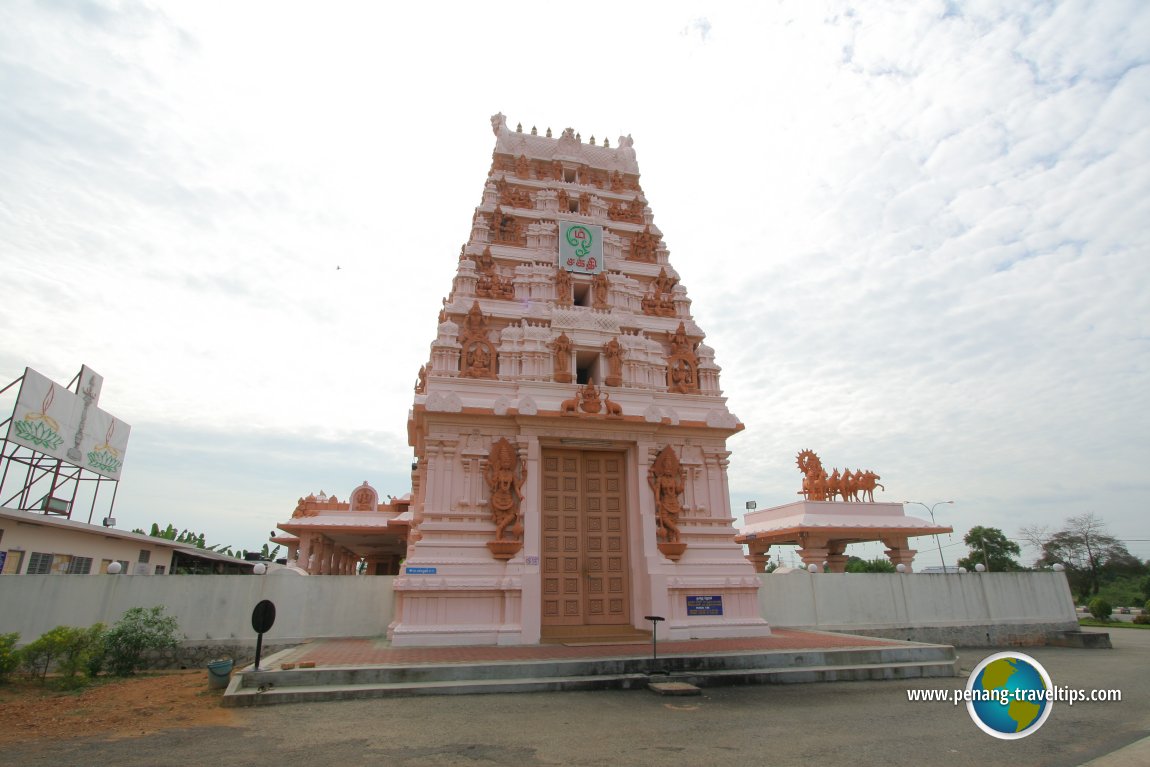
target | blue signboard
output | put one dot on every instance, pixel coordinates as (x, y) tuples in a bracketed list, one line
[(704, 605), (421, 571)]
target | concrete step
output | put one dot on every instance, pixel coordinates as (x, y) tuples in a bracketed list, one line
[(265, 687)]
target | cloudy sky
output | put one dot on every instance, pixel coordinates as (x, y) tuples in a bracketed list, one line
[(914, 232)]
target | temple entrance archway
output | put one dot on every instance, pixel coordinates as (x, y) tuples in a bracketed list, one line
[(584, 561)]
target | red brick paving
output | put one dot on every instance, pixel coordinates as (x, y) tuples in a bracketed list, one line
[(378, 652)]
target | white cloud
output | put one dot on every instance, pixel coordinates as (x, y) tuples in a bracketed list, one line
[(930, 221)]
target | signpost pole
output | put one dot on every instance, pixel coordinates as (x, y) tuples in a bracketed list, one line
[(655, 620), (263, 617)]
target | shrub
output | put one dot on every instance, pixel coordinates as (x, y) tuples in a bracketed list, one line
[(138, 632), (1143, 618), (37, 656), (68, 650), (1100, 609), (9, 655), (83, 650)]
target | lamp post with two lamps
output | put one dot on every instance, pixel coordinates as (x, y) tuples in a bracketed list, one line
[(930, 510)]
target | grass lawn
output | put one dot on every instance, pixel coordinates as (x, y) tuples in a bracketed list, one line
[(1112, 624)]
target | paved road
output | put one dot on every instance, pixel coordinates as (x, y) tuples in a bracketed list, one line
[(845, 723)]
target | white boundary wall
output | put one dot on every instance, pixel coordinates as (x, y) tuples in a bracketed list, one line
[(971, 609), (208, 607)]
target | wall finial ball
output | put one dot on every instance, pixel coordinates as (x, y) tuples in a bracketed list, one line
[(1058, 567), (900, 568), (962, 570), (813, 568), (114, 568), (980, 567), (260, 568)]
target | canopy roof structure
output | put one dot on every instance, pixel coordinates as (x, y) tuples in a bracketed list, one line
[(823, 529)]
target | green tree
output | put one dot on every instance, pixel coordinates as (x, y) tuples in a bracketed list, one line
[(990, 547), (877, 565), (170, 533), (1090, 555), (9, 655)]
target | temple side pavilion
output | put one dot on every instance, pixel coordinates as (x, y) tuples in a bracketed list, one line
[(822, 530), (326, 536)]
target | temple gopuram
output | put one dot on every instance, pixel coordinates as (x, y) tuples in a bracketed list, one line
[(570, 474)]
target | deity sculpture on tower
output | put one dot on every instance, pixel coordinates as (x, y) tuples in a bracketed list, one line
[(667, 481)]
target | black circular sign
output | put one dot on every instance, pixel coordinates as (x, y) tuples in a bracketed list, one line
[(263, 616)]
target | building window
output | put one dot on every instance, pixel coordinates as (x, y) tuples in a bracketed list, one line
[(123, 566), (80, 566), (145, 556), (13, 562), (582, 294), (39, 564), (160, 570)]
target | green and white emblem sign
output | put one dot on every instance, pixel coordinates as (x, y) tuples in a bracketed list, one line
[(580, 247)]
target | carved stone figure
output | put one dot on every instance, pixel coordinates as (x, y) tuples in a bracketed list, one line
[(659, 301), (491, 284), (681, 377), (522, 169), (478, 354), (421, 380), (563, 293), (505, 476), (600, 291), (631, 212), (643, 246), (867, 484), (613, 351), (589, 397), (512, 197), (682, 363), (505, 228), (478, 361), (475, 324), (667, 480), (585, 204), (588, 400), (361, 499), (818, 486), (680, 344), (561, 346)]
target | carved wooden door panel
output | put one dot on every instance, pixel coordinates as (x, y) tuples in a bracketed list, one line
[(584, 557), (605, 539)]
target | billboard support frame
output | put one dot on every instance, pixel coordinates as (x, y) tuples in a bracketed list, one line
[(64, 484)]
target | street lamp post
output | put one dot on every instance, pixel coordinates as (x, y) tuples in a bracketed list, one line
[(930, 510)]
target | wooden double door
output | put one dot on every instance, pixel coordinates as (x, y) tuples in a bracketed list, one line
[(584, 549)]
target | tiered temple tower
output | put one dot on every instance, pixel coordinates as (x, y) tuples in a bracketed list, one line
[(569, 430)]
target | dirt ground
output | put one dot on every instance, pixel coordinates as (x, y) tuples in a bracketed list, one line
[(111, 708)]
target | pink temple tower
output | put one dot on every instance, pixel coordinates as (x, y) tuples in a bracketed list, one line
[(569, 429)]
